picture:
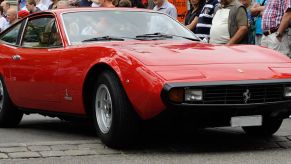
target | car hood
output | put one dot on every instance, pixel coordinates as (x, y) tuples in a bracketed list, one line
[(163, 53)]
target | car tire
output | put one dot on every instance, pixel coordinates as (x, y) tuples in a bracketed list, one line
[(10, 116), (269, 126), (115, 121)]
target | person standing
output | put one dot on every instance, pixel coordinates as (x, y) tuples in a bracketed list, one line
[(124, 3), (21, 4), (6, 7), (40, 5), (165, 7), (205, 19), (11, 17), (275, 21), (53, 4), (31, 6), (63, 4), (150, 4), (251, 22), (102, 3), (256, 11), (85, 3), (3, 21), (137, 4), (230, 24), (191, 18)]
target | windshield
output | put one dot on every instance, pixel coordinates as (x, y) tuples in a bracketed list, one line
[(80, 26)]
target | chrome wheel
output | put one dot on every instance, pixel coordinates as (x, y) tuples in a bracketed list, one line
[(1, 96), (115, 121), (103, 107)]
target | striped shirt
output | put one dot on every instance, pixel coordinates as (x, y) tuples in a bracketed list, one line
[(205, 19), (273, 13)]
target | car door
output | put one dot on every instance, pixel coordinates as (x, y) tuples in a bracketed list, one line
[(9, 40), (35, 64)]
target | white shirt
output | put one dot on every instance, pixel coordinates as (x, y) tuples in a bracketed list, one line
[(3, 24), (46, 3), (167, 8), (95, 5), (42, 7), (219, 33)]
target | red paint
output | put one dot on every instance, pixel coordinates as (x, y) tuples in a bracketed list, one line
[(41, 78)]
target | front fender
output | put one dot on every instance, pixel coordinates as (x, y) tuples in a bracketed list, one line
[(142, 86)]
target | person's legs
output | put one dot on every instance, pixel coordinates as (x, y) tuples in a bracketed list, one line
[(258, 39), (265, 41)]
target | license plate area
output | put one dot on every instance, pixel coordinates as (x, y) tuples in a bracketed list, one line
[(238, 121)]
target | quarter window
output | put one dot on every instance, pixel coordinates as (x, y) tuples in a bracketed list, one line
[(12, 35)]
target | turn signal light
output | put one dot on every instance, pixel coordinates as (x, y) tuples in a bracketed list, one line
[(177, 95)]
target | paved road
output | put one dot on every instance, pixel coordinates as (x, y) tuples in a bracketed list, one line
[(41, 139)]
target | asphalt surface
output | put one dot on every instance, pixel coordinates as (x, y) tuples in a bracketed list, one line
[(37, 128), (44, 140)]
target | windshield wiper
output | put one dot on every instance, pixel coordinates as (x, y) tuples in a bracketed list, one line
[(103, 38), (153, 36), (163, 35)]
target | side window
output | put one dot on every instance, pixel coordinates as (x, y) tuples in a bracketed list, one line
[(11, 35), (41, 33)]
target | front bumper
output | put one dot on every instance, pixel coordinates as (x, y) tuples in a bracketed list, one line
[(223, 110)]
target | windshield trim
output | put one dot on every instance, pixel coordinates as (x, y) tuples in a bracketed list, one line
[(67, 12)]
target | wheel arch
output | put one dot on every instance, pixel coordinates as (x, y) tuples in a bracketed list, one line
[(4, 81), (91, 77), (132, 76)]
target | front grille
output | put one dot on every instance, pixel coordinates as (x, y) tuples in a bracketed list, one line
[(242, 94)]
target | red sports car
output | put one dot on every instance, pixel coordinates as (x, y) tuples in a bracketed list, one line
[(120, 66)]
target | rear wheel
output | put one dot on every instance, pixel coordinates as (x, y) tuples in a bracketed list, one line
[(269, 126), (115, 121), (10, 116)]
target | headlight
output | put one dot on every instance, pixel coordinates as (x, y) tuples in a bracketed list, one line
[(194, 94), (287, 92)]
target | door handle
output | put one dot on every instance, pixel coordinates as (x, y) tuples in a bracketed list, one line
[(16, 57)]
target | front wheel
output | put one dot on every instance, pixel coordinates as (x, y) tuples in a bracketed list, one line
[(10, 116), (269, 126), (115, 121)]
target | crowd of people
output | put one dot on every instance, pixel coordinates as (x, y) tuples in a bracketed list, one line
[(261, 22)]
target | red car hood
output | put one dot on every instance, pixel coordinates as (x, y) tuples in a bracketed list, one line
[(162, 53)]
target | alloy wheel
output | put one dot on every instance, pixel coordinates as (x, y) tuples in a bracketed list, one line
[(103, 107)]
